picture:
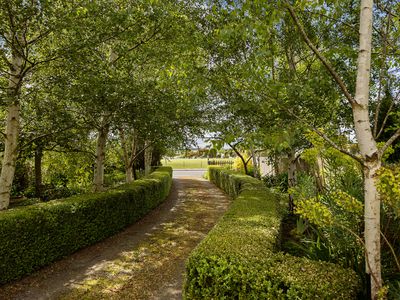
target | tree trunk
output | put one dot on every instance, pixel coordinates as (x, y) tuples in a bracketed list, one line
[(246, 170), (129, 174), (12, 131), (148, 152), (292, 178), (368, 150), (372, 227), (38, 171), (129, 154), (371, 159), (98, 180), (256, 172)]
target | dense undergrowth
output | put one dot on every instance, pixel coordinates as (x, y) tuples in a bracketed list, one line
[(328, 224)]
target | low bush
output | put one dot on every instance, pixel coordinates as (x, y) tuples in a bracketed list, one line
[(33, 236), (240, 257)]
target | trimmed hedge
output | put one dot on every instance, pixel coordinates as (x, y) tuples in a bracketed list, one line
[(240, 257), (36, 235)]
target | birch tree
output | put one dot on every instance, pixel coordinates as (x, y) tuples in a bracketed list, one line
[(25, 27), (370, 155), (311, 75)]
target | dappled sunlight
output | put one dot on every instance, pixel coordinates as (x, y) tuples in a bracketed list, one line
[(145, 261), (140, 271)]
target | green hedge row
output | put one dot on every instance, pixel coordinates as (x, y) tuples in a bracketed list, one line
[(240, 257), (33, 236)]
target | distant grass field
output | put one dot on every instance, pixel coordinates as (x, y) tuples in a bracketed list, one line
[(188, 163)]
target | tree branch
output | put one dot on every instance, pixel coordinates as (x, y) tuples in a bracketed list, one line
[(71, 150), (382, 69), (137, 154), (142, 42), (387, 116), (43, 136), (326, 138), (389, 142), (324, 61), (379, 5)]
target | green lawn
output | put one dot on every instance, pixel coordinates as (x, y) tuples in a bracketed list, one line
[(189, 163)]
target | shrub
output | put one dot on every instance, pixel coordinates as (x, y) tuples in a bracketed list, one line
[(279, 181), (240, 257), (33, 236)]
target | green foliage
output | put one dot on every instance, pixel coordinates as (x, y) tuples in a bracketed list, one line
[(305, 187), (279, 181), (334, 224), (389, 187), (239, 259), (70, 170), (333, 214), (33, 236), (238, 164), (341, 172), (312, 209), (25, 202), (115, 177)]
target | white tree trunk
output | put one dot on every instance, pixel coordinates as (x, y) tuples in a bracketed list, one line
[(368, 150), (10, 155), (12, 131), (98, 180), (256, 168), (372, 227), (148, 155)]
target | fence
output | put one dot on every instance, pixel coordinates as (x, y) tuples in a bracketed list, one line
[(220, 162)]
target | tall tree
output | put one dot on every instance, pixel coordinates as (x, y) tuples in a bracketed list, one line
[(370, 155), (32, 34), (310, 73)]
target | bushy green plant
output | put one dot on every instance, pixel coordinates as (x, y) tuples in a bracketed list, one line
[(389, 188), (340, 172), (334, 230), (25, 202), (35, 235), (71, 170), (240, 257), (305, 187), (279, 181), (114, 178), (332, 208)]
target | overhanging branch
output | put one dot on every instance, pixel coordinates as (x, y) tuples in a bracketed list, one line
[(324, 61)]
